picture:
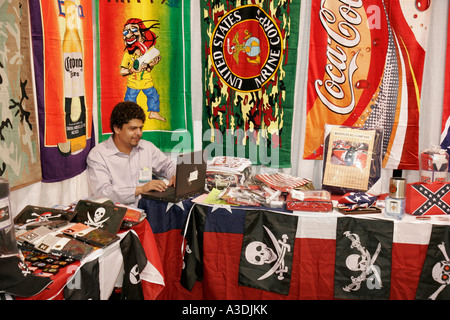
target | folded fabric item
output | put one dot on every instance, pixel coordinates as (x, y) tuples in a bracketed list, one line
[(223, 172), (309, 204), (353, 200), (282, 181), (427, 198)]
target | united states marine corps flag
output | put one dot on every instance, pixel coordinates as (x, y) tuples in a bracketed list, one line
[(363, 259), (435, 276), (249, 63), (267, 251)]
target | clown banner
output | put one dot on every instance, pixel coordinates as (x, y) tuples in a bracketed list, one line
[(249, 62), (144, 56), (365, 70), (19, 143), (62, 38)]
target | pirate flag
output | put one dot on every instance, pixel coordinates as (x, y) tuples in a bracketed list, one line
[(193, 252), (363, 258), (267, 251), (435, 276), (85, 285), (103, 216), (134, 260)]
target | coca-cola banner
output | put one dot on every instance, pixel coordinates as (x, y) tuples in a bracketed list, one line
[(249, 58), (365, 70), (144, 56), (62, 38), (19, 141)]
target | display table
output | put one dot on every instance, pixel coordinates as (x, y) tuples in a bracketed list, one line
[(111, 268), (314, 252)]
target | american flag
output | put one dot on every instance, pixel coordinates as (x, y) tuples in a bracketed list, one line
[(353, 200), (282, 181)]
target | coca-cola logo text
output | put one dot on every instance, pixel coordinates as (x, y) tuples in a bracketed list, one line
[(342, 34)]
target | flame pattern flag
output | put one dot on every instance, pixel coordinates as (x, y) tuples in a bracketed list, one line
[(249, 62)]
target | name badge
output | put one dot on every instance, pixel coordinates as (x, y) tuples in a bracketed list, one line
[(145, 175)]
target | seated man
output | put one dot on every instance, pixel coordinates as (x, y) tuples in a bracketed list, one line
[(121, 167)]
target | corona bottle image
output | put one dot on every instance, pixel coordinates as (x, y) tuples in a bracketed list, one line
[(74, 91)]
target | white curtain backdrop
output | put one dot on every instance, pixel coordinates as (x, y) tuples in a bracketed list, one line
[(65, 192)]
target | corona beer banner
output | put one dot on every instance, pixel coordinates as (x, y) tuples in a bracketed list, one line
[(144, 56), (249, 62), (62, 37), (19, 142), (365, 70)]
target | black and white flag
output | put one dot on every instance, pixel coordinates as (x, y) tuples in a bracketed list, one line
[(363, 258), (435, 277), (134, 261), (267, 251), (85, 284), (193, 229)]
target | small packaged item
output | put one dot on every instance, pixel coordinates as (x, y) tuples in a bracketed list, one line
[(93, 236), (241, 196), (309, 200), (352, 160), (423, 199), (223, 172), (433, 165)]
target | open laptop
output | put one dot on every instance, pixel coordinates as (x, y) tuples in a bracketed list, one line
[(190, 179)]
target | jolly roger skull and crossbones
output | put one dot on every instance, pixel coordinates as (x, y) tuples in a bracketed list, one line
[(441, 272), (42, 217), (97, 221), (364, 262), (258, 253)]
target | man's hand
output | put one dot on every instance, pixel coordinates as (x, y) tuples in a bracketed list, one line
[(156, 185), (172, 181)]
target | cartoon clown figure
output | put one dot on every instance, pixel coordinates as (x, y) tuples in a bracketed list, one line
[(138, 61)]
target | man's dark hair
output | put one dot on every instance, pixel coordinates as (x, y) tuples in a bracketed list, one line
[(123, 112)]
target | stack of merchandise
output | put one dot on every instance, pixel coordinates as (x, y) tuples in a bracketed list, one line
[(224, 172), (268, 189)]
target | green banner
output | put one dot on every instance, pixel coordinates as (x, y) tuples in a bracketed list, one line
[(248, 66), (126, 32)]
